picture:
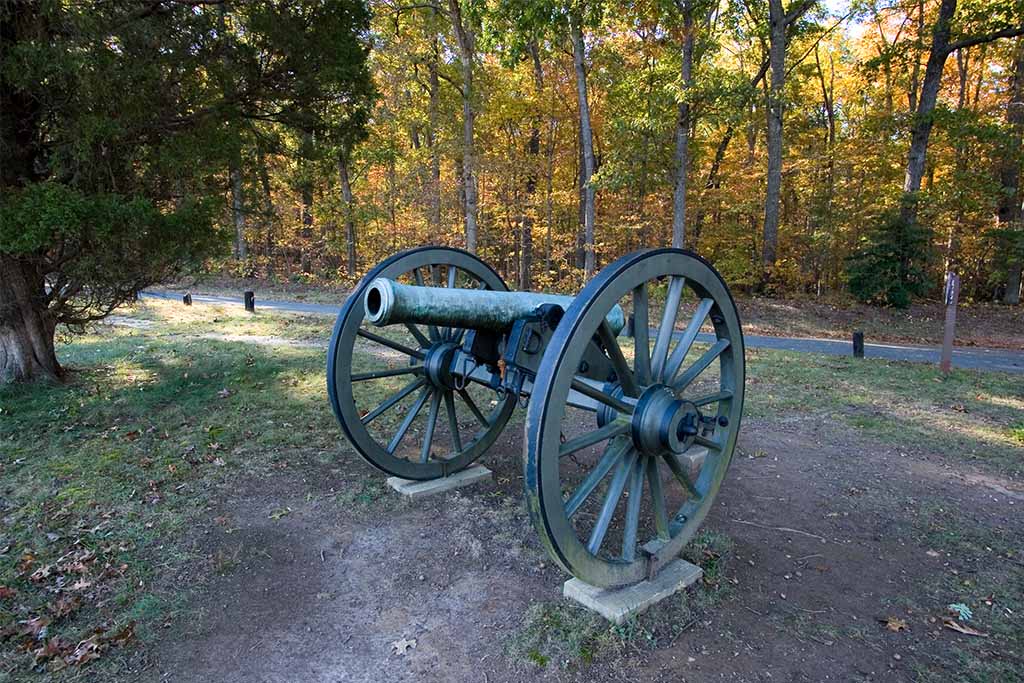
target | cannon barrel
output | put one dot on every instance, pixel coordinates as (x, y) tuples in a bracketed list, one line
[(387, 302)]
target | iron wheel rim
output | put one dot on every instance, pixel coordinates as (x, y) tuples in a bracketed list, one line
[(543, 439), (340, 376)]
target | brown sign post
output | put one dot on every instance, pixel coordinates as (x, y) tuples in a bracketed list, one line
[(952, 295)]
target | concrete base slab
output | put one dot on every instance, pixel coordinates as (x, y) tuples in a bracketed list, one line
[(618, 604), (430, 487)]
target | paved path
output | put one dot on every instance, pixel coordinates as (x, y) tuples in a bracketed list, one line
[(1003, 360)]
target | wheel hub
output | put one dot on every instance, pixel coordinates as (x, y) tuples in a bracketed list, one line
[(662, 423), (438, 364)]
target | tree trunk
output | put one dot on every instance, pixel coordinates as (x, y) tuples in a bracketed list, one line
[(533, 147), (466, 41), (587, 143), (959, 169), (268, 210), (435, 153), (581, 187), (238, 212), (1010, 213), (915, 76), (26, 327), (777, 62), (350, 222), (922, 127), (549, 203), (682, 157)]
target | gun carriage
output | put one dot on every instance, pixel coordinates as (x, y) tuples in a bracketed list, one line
[(634, 392)]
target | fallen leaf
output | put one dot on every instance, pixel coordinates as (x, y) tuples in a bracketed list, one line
[(400, 646), (34, 627), (960, 628), (224, 393), (52, 648), (86, 650), (6, 592), (895, 624), (132, 435), (41, 574), (64, 605), (279, 513)]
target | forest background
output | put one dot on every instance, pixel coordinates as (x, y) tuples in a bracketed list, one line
[(783, 143)]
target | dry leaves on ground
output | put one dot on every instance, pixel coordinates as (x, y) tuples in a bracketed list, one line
[(961, 628), (895, 624)]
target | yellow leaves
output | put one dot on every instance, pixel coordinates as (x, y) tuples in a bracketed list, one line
[(895, 624)]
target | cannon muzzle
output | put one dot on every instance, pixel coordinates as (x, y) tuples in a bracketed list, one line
[(387, 302)]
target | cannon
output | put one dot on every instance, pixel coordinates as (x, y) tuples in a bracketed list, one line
[(633, 392)]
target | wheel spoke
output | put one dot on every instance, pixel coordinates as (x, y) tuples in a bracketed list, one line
[(712, 398), (682, 475), (366, 334), (410, 416), (421, 339), (636, 491), (453, 421), (686, 340), (700, 365), (377, 374), (612, 454), (428, 436), (668, 324), (611, 346), (449, 332), (641, 335), (472, 407), (658, 500), (387, 403), (611, 501), (600, 396), (609, 431), (431, 329)]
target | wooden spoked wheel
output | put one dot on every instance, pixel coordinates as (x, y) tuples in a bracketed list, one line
[(403, 419), (617, 489)]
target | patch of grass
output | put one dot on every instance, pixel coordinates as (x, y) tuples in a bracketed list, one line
[(565, 635), (1017, 433), (967, 414), (369, 492), (995, 595), (103, 477), (982, 569)]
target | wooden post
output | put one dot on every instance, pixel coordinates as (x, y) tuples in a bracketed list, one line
[(187, 299), (951, 298), (858, 344), (250, 302)]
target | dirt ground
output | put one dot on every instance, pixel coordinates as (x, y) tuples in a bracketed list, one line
[(831, 534)]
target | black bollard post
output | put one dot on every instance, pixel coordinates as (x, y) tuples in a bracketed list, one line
[(187, 299), (630, 330), (250, 302), (858, 344)]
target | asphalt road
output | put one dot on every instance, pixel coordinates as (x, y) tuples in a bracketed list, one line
[(976, 358)]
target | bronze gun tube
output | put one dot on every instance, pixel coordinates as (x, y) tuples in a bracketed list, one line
[(387, 302)]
